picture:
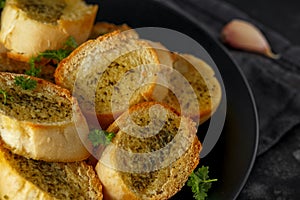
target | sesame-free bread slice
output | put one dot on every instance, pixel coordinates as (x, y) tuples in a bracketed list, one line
[(200, 81), (23, 179), (151, 157), (116, 69), (31, 27), (44, 123)]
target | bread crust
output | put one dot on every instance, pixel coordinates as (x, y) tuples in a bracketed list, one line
[(23, 42), (66, 72), (48, 141), (202, 80), (114, 186), (109, 45)]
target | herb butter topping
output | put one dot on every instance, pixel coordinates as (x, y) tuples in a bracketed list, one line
[(59, 180), (47, 11), (36, 107)]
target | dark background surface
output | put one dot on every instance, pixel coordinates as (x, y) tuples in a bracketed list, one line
[(282, 16), (276, 173)]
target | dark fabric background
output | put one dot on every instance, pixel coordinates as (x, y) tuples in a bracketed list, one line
[(276, 88)]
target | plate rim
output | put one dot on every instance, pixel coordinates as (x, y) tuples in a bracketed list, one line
[(192, 19)]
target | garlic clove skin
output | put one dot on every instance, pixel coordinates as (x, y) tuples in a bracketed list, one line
[(272, 55), (243, 35)]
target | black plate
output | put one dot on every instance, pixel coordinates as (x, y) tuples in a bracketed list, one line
[(233, 156)]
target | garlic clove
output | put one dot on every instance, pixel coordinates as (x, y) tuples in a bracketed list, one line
[(243, 35)]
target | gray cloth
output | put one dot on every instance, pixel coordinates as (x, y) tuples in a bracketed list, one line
[(275, 83)]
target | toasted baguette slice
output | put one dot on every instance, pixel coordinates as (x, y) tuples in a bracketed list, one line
[(45, 123), (102, 28), (201, 77), (112, 70), (23, 179), (30, 27), (137, 165)]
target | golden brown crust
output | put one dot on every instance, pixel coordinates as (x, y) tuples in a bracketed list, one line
[(60, 141), (114, 128), (179, 176), (66, 71)]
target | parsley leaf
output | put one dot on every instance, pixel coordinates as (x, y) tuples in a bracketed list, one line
[(98, 137), (33, 71), (5, 96), (55, 55), (25, 83), (60, 54), (70, 43), (2, 4), (200, 183)]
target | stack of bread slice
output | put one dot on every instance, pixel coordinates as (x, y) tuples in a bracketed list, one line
[(133, 166), (43, 133), (43, 143), (112, 81)]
